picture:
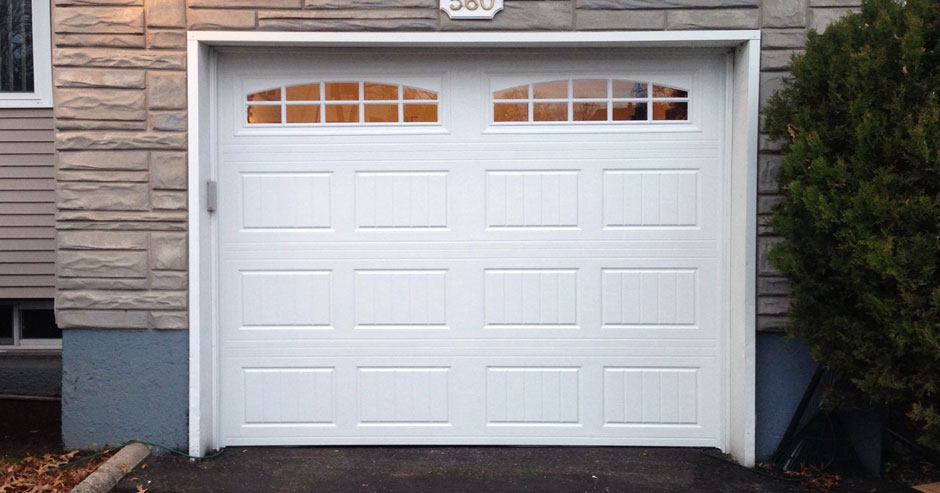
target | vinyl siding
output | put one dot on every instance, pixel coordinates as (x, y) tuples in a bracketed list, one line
[(27, 204)]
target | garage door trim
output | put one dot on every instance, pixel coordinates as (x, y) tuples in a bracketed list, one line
[(742, 106)]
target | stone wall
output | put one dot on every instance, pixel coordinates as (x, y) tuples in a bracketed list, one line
[(120, 97)]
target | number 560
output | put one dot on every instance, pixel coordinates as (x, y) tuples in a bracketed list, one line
[(472, 4)]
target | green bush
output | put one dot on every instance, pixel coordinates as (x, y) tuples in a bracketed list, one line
[(860, 217)]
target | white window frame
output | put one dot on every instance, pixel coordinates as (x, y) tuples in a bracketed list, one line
[(41, 97), (21, 343), (743, 82)]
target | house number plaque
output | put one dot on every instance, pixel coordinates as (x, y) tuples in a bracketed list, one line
[(471, 9)]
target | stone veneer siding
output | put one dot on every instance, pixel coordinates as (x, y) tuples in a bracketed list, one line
[(120, 113)]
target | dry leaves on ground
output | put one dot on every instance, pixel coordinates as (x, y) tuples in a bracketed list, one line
[(43, 474)]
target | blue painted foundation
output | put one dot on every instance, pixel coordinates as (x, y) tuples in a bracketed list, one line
[(784, 369), (124, 385)]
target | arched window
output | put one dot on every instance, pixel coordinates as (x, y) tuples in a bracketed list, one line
[(586, 101), (342, 103)]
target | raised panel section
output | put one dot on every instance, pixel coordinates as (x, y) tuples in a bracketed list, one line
[(532, 199), (650, 395), (546, 396), (642, 297), (297, 298), (652, 198), (401, 298), (286, 200), (401, 199), (531, 298), (403, 396), (289, 395)]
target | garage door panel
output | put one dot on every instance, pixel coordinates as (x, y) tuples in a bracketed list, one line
[(471, 281), (391, 202), (468, 298), (522, 397)]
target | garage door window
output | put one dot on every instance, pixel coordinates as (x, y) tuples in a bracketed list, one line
[(586, 101), (342, 103)]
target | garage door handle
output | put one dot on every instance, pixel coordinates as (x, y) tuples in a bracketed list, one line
[(212, 196)]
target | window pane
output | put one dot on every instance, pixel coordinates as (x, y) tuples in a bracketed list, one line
[(584, 112), (264, 114), (629, 89), (342, 91), (668, 92), (306, 92), (412, 93), (550, 112), (6, 325), (514, 112), (270, 95), (380, 91), (671, 111), (590, 88), (420, 113), (39, 324), (551, 90), (381, 113), (16, 46), (521, 92), (629, 111), (303, 113), (342, 113)]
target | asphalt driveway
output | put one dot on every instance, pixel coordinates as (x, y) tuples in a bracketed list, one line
[(462, 469)]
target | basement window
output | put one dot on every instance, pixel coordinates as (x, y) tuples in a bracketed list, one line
[(25, 54), (29, 325)]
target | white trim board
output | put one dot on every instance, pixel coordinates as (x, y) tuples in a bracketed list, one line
[(739, 406)]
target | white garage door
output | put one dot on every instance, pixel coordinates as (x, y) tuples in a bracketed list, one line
[(472, 247)]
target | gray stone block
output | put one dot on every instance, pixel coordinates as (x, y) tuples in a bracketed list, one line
[(106, 175), (165, 199), (166, 90), (169, 320), (768, 166), (119, 141), (174, 121), (102, 263), (664, 4), (784, 13), (766, 203), (121, 300), (168, 170), (168, 251), (771, 323), (166, 13), (68, 124), (621, 20), (773, 305), (86, 78), (260, 4), (97, 20), (777, 59), (370, 4), (713, 19), (103, 196), (101, 240), (103, 160), (347, 25), (100, 104), (221, 19), (99, 40), (322, 14), (783, 38), (173, 40), (835, 3), (98, 2), (772, 285), (167, 279), (108, 283), (118, 58)]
